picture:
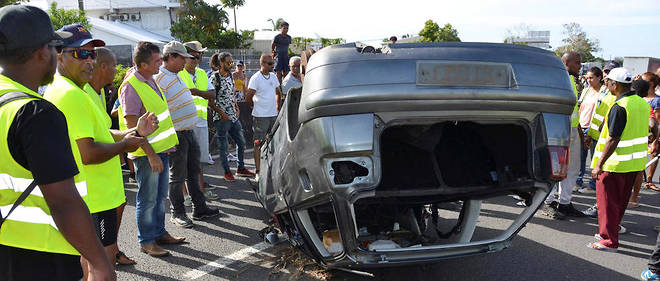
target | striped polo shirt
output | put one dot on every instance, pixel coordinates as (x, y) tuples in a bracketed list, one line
[(179, 99)]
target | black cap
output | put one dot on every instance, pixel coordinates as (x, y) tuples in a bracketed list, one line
[(81, 36), (611, 65), (27, 27)]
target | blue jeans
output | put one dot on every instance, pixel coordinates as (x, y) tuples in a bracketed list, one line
[(235, 131), (583, 163), (150, 199)]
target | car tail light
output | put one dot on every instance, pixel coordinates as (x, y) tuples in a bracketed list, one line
[(558, 161)]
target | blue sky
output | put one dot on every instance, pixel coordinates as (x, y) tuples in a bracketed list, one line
[(624, 28)]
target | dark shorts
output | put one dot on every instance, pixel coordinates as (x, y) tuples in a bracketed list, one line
[(261, 126), (282, 64), (21, 264), (105, 224)]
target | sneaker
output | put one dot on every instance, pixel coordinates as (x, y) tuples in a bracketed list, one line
[(598, 237), (592, 212), (187, 201), (622, 230), (210, 195), (245, 172), (550, 210), (209, 186), (181, 220), (229, 176), (576, 188), (207, 212), (648, 275), (586, 190), (231, 158), (570, 211), (131, 178), (210, 162)]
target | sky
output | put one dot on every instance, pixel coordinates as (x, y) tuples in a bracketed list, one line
[(623, 28)]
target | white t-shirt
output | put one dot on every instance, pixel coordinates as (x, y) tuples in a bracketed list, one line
[(201, 123), (265, 102)]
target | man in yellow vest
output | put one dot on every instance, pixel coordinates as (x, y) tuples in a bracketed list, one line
[(202, 91), (90, 129), (42, 238), (559, 209), (139, 94), (103, 74), (620, 155)]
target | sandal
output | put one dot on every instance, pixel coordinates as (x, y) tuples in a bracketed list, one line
[(651, 186), (122, 259), (600, 247), (633, 204)]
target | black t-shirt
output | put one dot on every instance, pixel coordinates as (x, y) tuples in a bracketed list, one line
[(617, 118), (38, 140)]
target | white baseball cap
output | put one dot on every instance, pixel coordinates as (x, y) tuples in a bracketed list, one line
[(620, 75)]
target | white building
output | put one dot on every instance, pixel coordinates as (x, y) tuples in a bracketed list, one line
[(125, 21)]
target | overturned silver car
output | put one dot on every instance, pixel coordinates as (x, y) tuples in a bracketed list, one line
[(398, 155)]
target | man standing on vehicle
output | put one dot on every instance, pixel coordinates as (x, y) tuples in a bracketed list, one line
[(279, 50), (620, 155), (42, 238), (264, 95), (564, 208)]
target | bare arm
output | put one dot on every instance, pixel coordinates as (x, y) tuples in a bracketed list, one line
[(209, 95), (72, 218), (278, 97), (610, 145), (154, 160), (93, 152), (249, 94), (272, 49), (217, 109)]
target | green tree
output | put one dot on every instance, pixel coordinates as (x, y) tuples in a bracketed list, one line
[(119, 76), (10, 2), (576, 40), (276, 24), (206, 23), (62, 17), (432, 32), (233, 4), (325, 42), (298, 44)]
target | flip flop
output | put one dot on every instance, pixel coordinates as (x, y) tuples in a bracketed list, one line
[(633, 205), (600, 247), (126, 261), (651, 186)]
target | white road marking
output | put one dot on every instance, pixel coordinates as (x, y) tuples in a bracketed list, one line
[(226, 261)]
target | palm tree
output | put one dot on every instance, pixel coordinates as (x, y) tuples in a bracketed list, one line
[(233, 4), (276, 24)]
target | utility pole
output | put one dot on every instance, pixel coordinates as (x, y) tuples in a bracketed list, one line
[(81, 5)]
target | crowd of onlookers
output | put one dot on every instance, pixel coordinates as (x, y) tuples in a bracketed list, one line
[(62, 197), (615, 123)]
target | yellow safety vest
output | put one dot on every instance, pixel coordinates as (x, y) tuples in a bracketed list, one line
[(100, 101), (630, 153), (575, 116), (202, 84), (164, 137), (605, 101), (104, 180), (30, 226)]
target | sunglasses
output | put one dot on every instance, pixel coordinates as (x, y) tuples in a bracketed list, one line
[(270, 63), (81, 54)]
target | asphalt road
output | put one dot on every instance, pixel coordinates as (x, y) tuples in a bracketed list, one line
[(228, 248)]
